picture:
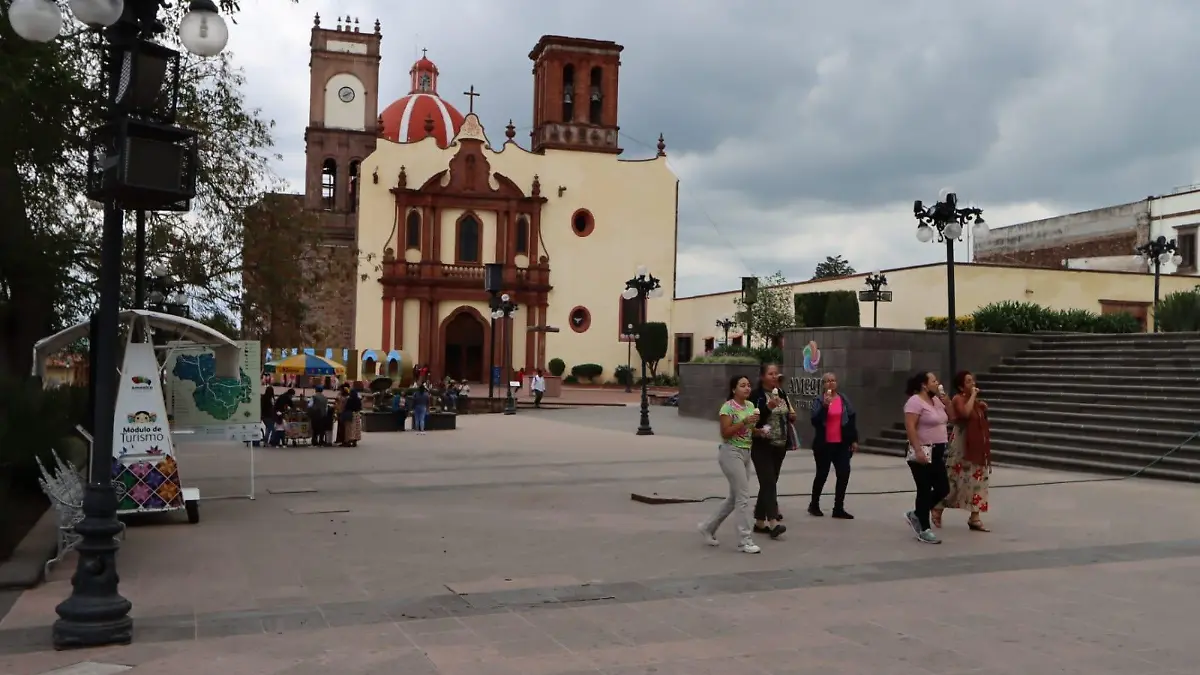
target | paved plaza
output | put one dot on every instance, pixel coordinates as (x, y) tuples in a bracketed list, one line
[(511, 546)]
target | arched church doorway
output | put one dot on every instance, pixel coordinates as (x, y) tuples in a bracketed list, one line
[(464, 348)]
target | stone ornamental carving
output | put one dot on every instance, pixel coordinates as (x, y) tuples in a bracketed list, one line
[(471, 130)]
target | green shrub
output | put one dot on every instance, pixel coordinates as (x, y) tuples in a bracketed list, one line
[(758, 354), (727, 358), (651, 344), (624, 374), (964, 323), (1119, 322), (557, 367), (587, 371), (732, 350), (1024, 318), (1179, 312), (570, 379), (827, 309), (664, 380), (34, 421)]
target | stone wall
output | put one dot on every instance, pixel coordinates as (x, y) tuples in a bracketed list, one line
[(872, 366), (1110, 231), (703, 387)]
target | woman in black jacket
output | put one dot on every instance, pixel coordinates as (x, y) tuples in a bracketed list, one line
[(835, 442), (768, 446)]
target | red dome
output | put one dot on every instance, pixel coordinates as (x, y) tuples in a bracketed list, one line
[(404, 121)]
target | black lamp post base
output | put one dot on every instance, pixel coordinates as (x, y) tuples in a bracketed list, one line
[(510, 405), (76, 635), (645, 431), (95, 614)]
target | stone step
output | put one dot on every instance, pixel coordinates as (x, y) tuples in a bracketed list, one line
[(1167, 384), (1168, 341), (1118, 337), (1094, 367), (1148, 446), (1124, 400), (1042, 456), (1110, 354), (1068, 359), (1015, 414)]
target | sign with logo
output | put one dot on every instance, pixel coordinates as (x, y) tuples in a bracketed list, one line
[(812, 357), (140, 428)]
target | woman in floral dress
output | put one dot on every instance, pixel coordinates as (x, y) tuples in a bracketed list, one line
[(969, 456)]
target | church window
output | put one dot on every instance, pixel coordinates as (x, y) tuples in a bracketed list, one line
[(580, 319), (522, 243), (328, 184), (630, 315), (412, 231), (595, 97), (467, 243), (582, 222), (353, 176), (568, 103), (425, 83)]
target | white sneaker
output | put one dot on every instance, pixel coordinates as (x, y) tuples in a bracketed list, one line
[(749, 547), (708, 537)]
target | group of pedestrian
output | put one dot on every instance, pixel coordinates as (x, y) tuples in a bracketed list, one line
[(758, 428), (343, 414)]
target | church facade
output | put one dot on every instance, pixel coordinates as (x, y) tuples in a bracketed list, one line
[(427, 199)]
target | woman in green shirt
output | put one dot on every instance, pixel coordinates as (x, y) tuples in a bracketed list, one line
[(738, 417)]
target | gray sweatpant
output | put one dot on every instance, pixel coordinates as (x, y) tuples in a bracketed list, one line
[(735, 464)]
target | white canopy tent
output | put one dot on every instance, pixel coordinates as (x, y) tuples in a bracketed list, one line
[(226, 351)]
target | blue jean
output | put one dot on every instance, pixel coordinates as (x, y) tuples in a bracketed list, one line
[(419, 414)]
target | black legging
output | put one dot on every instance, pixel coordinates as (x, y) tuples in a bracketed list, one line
[(768, 462), (836, 455), (933, 483)]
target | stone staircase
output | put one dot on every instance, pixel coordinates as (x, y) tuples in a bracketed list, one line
[(1108, 404)]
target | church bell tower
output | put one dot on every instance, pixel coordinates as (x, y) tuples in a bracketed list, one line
[(575, 94), (342, 120)]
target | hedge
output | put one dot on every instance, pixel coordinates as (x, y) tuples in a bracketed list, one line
[(827, 309), (1023, 318)]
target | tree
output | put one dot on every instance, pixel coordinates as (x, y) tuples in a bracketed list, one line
[(833, 266), (652, 344), (774, 311), (49, 98)]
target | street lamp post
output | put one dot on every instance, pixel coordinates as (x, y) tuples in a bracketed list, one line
[(137, 160), (1158, 252), (876, 282), (493, 281), (643, 285), (503, 308), (749, 299), (946, 221), (166, 295), (725, 325), (629, 337)]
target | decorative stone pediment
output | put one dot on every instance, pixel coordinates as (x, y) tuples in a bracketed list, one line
[(470, 174)]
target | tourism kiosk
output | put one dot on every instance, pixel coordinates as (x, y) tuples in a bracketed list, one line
[(145, 466)]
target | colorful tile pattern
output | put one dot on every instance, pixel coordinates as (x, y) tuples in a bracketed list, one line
[(147, 485)]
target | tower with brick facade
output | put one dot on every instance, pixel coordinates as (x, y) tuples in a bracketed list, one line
[(575, 94), (342, 121)]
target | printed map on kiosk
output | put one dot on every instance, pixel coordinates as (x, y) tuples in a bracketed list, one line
[(211, 405)]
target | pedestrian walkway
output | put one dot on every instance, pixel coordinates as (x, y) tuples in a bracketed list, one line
[(511, 546)]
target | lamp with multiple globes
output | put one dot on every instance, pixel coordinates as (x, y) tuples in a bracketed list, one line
[(503, 307), (1156, 253), (643, 285), (947, 222), (876, 293), (139, 160)]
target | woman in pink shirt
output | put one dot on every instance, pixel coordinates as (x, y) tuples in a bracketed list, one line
[(834, 442), (925, 422)]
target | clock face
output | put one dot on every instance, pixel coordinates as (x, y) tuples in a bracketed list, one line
[(346, 94)]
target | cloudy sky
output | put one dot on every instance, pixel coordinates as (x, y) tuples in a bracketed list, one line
[(801, 130)]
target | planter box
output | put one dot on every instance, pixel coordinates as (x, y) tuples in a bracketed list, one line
[(481, 405), (382, 421), (441, 422), (553, 386)]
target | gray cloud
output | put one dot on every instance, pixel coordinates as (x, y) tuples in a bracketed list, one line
[(815, 127)]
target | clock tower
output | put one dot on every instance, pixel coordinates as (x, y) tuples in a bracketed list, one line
[(342, 121)]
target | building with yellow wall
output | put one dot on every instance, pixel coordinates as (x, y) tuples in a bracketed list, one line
[(569, 219), (920, 291)]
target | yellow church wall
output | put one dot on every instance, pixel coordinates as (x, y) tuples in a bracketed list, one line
[(633, 204), (412, 315), (919, 292)]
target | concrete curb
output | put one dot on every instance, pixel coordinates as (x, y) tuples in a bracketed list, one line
[(25, 568)]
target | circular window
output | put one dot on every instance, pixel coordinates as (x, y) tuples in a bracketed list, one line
[(582, 223), (580, 319)]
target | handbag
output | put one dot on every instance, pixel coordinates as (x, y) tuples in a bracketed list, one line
[(912, 455), (793, 440)]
